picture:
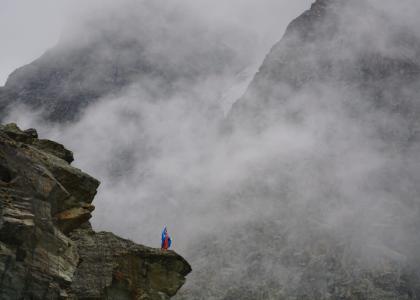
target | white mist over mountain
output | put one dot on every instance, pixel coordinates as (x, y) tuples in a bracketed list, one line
[(328, 174), (29, 28), (159, 157)]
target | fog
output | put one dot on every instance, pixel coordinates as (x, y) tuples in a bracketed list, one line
[(328, 173), (29, 28), (154, 152)]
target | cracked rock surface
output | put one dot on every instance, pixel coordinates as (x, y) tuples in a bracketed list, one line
[(48, 249)]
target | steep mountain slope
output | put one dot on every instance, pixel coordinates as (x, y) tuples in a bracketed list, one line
[(360, 47), (154, 45), (47, 247), (334, 112)]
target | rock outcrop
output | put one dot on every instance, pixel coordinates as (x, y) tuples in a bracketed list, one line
[(47, 247)]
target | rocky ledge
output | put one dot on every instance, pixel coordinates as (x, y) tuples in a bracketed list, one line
[(48, 249)]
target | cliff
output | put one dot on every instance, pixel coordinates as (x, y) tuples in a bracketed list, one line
[(48, 249)]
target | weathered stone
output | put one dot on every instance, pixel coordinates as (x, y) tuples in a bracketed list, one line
[(47, 247), (73, 218), (128, 270), (13, 131), (54, 149)]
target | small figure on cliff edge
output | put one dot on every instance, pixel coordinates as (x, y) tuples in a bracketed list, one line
[(166, 240)]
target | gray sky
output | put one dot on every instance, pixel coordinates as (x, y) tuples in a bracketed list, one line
[(28, 28)]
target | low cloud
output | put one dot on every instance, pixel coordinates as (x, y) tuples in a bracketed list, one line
[(328, 167)]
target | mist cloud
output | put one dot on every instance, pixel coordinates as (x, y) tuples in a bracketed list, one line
[(327, 171)]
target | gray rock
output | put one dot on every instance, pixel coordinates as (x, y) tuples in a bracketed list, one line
[(128, 270), (47, 247)]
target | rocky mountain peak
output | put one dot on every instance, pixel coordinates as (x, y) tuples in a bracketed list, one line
[(349, 45)]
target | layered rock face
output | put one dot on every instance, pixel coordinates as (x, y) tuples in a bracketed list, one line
[(47, 247)]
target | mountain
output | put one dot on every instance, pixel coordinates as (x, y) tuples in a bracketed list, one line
[(333, 112), (156, 45), (312, 193), (48, 249), (362, 48)]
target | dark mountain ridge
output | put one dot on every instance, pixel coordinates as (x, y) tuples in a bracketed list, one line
[(349, 45), (346, 77), (153, 45)]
